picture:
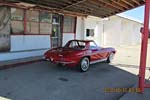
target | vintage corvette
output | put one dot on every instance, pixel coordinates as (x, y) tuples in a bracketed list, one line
[(80, 53)]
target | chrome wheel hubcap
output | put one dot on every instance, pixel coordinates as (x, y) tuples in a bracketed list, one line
[(85, 64)]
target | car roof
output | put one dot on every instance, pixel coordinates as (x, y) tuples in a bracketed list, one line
[(83, 40)]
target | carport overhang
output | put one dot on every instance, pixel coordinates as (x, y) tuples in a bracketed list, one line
[(99, 8)]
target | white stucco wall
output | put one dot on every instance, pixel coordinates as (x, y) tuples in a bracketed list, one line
[(130, 32), (96, 24), (121, 31), (29, 42), (26, 46), (113, 31), (18, 55), (80, 28), (67, 37)]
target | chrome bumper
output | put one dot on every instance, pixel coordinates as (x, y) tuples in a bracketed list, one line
[(64, 62), (56, 61), (46, 59)]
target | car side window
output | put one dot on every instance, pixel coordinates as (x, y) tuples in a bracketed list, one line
[(93, 45), (82, 45)]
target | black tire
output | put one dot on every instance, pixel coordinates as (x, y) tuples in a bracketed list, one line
[(84, 64), (110, 57), (60, 65)]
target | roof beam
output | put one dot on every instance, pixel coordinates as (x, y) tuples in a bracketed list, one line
[(100, 5), (91, 10), (2, 1), (87, 12), (63, 12), (55, 6), (110, 5), (136, 2), (73, 4), (127, 3), (102, 8), (117, 2), (55, 2), (104, 5), (81, 9)]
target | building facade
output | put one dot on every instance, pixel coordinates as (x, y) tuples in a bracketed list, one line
[(113, 31), (27, 33)]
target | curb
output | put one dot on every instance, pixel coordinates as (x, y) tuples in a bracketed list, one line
[(19, 64)]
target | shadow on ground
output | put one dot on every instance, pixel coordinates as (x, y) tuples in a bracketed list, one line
[(45, 81)]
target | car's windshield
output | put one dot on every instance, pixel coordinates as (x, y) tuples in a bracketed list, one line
[(75, 45), (93, 45)]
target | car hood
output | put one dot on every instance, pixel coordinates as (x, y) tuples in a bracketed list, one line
[(109, 49)]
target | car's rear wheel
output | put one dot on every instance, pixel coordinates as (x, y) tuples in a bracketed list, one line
[(110, 57), (84, 64), (59, 65)]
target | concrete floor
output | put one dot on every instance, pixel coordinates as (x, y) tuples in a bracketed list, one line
[(45, 81), (128, 58)]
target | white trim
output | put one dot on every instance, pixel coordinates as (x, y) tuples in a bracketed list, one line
[(93, 62), (129, 18), (18, 55)]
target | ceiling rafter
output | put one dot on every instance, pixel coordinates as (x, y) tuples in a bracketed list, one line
[(78, 9), (111, 5), (118, 3), (100, 5), (91, 10), (105, 6), (127, 3), (73, 4), (63, 12), (100, 8), (12, 5), (55, 10), (55, 2), (135, 1)]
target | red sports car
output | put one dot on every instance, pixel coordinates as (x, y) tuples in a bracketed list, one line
[(79, 53)]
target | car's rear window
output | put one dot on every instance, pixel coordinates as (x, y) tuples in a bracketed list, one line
[(77, 45)]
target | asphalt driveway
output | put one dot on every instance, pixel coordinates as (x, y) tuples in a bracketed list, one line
[(45, 81)]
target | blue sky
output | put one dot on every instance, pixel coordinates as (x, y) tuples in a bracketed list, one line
[(137, 13)]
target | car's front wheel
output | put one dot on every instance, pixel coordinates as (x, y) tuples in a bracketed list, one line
[(110, 57), (84, 64)]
